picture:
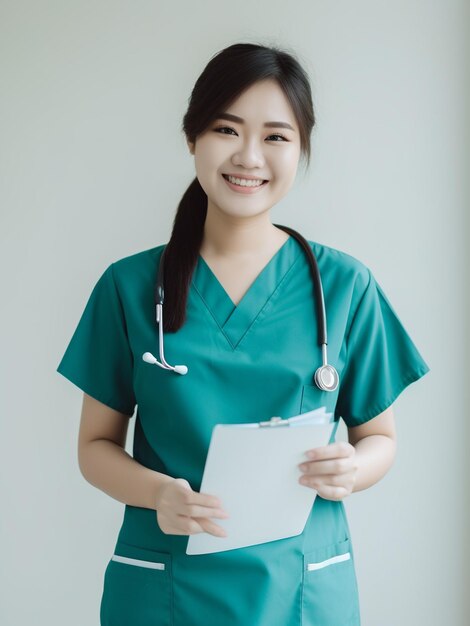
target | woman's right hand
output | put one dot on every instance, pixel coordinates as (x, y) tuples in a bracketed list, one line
[(182, 511)]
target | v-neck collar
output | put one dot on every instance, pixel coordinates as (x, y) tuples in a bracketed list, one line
[(234, 320)]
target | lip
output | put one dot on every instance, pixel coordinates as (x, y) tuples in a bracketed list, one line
[(244, 190), (247, 176)]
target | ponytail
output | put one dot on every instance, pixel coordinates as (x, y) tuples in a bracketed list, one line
[(181, 254)]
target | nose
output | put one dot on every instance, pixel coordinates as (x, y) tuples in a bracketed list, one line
[(250, 155)]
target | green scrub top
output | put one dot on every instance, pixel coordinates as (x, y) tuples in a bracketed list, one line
[(246, 363)]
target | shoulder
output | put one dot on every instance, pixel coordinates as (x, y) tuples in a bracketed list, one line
[(341, 266), (138, 258), (131, 266), (343, 273), (126, 276)]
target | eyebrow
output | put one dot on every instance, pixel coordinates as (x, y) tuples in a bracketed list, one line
[(234, 118)]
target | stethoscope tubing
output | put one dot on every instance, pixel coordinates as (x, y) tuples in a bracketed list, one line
[(326, 377)]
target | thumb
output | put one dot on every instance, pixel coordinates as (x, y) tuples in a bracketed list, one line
[(183, 482)]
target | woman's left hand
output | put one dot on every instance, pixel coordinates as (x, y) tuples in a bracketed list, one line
[(332, 471)]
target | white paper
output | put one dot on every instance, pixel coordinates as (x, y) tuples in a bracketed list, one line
[(254, 471)]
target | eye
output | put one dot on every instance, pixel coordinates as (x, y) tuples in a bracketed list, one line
[(221, 128), (281, 136)]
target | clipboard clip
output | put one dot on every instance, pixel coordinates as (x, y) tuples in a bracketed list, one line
[(274, 421)]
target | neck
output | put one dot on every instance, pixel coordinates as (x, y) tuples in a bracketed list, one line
[(238, 237)]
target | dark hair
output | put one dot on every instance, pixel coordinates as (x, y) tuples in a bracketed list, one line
[(229, 73)]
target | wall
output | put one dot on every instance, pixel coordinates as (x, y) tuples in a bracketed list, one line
[(93, 165)]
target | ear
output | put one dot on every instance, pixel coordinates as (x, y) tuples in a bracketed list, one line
[(190, 146)]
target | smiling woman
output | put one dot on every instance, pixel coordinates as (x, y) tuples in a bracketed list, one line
[(241, 311)]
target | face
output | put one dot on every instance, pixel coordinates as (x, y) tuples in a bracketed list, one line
[(250, 149)]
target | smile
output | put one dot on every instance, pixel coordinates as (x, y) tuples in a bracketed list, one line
[(244, 185)]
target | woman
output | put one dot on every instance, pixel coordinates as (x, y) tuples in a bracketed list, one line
[(240, 314)]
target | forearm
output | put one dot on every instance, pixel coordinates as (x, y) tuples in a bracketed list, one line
[(110, 468), (375, 455)]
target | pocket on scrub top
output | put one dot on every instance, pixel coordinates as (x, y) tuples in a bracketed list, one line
[(312, 398), (137, 588), (329, 587)]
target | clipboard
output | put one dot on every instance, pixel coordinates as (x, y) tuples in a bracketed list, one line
[(253, 469)]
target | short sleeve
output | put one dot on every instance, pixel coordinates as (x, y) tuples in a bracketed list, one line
[(98, 358), (381, 358)]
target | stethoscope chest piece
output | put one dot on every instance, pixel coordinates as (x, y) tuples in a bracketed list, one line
[(326, 378)]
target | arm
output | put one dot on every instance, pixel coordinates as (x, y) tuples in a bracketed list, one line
[(340, 468), (104, 462), (375, 445)]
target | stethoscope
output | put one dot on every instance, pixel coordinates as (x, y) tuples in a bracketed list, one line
[(326, 376)]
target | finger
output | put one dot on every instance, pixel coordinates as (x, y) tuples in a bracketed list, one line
[(188, 525), (211, 527), (334, 493), (331, 451), (330, 492), (178, 525), (339, 465), (325, 482), (206, 499), (194, 510), (201, 499)]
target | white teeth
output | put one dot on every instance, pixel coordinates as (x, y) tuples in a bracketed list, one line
[(244, 182)]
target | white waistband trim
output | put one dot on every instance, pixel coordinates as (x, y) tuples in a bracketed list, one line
[(138, 562), (334, 559)]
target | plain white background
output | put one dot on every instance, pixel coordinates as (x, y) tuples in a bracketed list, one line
[(93, 165)]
